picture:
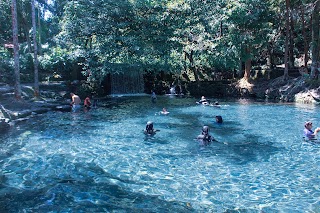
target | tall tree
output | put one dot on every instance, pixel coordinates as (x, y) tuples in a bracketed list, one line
[(35, 51), (315, 38), (286, 53), (248, 32), (305, 41), (17, 90), (291, 37)]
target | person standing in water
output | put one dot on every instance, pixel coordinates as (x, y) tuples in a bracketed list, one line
[(75, 102), (149, 129), (87, 103), (153, 97), (308, 133), (205, 138)]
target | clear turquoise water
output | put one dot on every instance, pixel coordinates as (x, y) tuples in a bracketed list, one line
[(100, 161)]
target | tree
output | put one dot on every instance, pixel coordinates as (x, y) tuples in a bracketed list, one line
[(286, 54), (248, 28), (17, 90), (305, 41), (35, 51), (117, 37), (315, 38)]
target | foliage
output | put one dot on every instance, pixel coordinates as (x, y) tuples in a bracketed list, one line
[(172, 36), (5, 25), (57, 61), (6, 68)]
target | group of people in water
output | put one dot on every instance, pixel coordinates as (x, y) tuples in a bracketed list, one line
[(308, 132), (76, 103), (204, 136), (205, 101)]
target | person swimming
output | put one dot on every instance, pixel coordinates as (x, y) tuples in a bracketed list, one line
[(204, 101), (308, 133), (215, 104), (205, 137), (164, 111), (219, 119), (149, 128)]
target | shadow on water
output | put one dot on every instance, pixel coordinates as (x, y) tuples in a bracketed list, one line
[(242, 152), (252, 150), (233, 143), (107, 193), (237, 146)]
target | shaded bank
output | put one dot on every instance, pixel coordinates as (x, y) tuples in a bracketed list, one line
[(53, 98), (55, 95)]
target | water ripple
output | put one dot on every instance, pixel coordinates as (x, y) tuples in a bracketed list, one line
[(101, 161)]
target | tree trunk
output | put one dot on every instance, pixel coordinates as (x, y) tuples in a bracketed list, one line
[(240, 73), (35, 50), (17, 88), (189, 56), (270, 62), (39, 31), (247, 66), (286, 67), (24, 27), (291, 43), (28, 39), (315, 38), (306, 46), (195, 73), (247, 69)]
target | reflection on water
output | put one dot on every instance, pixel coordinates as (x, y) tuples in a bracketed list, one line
[(100, 161)]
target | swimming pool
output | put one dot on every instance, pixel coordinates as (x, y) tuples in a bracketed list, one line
[(100, 161)]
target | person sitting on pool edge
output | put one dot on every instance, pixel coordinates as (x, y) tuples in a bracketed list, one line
[(205, 136), (149, 128), (308, 133)]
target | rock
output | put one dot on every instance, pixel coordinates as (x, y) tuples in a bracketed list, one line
[(21, 114), (4, 126), (272, 93), (63, 108)]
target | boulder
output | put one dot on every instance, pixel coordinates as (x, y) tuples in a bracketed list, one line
[(4, 125), (63, 108)]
